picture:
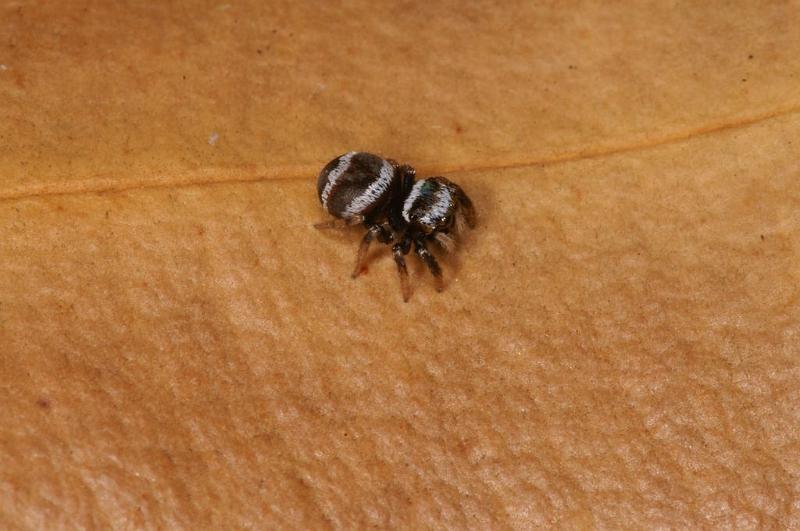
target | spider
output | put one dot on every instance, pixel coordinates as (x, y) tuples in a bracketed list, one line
[(362, 188)]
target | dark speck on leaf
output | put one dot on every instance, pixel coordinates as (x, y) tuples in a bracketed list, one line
[(43, 403)]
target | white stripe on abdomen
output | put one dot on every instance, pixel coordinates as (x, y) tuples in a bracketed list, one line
[(373, 192), (333, 176)]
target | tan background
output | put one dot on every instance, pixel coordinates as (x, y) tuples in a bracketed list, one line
[(618, 341)]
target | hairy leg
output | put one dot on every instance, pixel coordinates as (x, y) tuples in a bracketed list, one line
[(382, 233), (338, 223), (425, 255), (466, 208), (399, 250)]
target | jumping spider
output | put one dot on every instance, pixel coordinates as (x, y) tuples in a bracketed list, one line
[(383, 195)]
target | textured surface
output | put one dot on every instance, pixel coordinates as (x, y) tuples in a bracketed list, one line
[(107, 95), (617, 343)]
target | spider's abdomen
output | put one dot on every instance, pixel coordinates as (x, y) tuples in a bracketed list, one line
[(431, 204), (357, 184)]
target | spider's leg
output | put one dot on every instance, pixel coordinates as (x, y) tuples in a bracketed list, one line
[(425, 255), (466, 208), (382, 233), (338, 223), (400, 250)]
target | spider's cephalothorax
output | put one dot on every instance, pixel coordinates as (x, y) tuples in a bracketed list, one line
[(383, 195)]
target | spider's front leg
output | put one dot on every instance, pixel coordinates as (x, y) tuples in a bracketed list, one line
[(465, 207), (425, 255), (384, 235), (399, 250)]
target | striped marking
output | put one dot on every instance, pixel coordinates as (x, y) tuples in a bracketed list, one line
[(334, 174), (415, 191), (374, 191), (437, 210)]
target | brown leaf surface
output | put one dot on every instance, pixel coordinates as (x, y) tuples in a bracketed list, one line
[(618, 341)]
